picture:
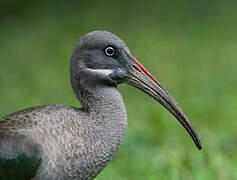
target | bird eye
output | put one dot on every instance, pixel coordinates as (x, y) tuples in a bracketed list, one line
[(109, 51)]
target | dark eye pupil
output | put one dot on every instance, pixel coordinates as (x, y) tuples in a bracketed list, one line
[(109, 51)]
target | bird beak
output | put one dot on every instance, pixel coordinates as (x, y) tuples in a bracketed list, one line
[(142, 79)]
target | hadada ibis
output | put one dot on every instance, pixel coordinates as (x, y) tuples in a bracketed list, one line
[(64, 142)]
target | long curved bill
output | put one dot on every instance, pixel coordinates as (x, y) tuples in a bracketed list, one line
[(142, 79)]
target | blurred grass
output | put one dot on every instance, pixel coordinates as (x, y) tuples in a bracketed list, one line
[(190, 46)]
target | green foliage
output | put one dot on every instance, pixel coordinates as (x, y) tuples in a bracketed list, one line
[(190, 46)]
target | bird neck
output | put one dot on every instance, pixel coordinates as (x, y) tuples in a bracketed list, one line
[(101, 99), (106, 117)]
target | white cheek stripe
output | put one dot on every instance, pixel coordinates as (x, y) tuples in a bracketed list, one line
[(100, 71)]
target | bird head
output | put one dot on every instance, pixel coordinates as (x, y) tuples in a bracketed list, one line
[(105, 57)]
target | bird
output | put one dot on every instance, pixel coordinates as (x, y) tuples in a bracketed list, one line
[(63, 142)]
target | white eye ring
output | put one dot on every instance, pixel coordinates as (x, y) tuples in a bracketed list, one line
[(109, 51)]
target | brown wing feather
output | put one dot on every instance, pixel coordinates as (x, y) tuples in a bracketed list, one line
[(23, 119)]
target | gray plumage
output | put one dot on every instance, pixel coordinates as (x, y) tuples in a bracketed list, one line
[(77, 143)]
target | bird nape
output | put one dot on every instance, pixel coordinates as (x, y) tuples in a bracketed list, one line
[(64, 142)]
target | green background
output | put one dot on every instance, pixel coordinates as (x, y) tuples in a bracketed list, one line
[(189, 46)]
